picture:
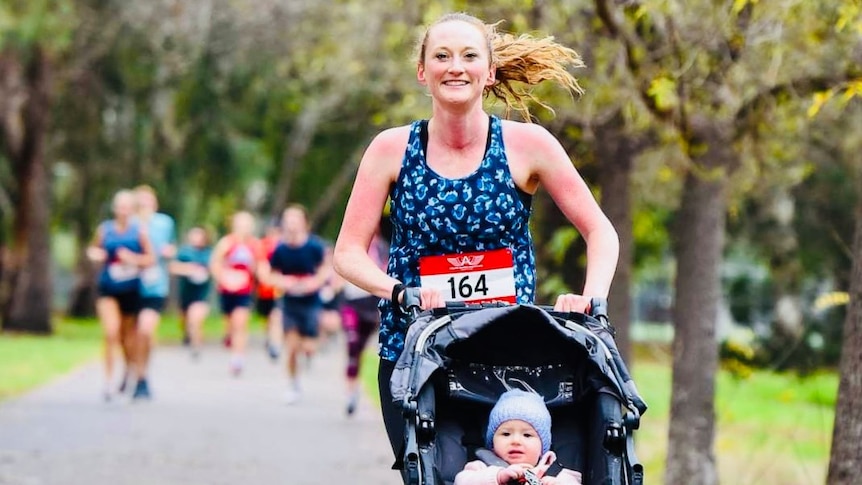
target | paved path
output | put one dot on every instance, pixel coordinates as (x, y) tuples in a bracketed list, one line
[(202, 427)]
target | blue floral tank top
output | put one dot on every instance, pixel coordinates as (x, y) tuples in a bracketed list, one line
[(433, 215)]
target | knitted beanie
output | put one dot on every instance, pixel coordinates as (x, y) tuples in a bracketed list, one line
[(525, 406)]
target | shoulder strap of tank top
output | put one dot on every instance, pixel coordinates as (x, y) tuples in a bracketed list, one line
[(423, 133)]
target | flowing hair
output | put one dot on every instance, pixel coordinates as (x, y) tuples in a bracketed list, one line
[(522, 59)]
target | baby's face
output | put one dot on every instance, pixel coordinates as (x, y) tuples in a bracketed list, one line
[(516, 441)]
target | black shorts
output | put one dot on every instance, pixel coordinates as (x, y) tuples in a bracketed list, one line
[(264, 306), (156, 303), (300, 316), (129, 303), (193, 295), (232, 301)]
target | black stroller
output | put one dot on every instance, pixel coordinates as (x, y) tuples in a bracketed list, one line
[(459, 359)]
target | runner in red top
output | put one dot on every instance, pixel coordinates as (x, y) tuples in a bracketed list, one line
[(236, 260)]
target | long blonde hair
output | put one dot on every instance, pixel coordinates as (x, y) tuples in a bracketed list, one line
[(522, 59)]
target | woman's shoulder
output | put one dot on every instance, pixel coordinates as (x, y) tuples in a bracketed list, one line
[(391, 139), (522, 132)]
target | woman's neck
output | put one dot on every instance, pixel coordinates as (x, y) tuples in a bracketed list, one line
[(457, 130)]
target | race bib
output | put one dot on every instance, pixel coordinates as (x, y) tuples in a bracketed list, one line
[(479, 277), (120, 272), (234, 280)]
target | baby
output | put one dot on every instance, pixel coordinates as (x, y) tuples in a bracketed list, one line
[(519, 433)]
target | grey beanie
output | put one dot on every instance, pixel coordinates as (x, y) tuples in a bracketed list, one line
[(525, 406)]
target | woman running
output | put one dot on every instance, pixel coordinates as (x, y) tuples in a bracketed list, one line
[(123, 249)]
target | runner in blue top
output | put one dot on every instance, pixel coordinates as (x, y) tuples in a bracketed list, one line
[(298, 269), (192, 267), (123, 248), (155, 281), (460, 186)]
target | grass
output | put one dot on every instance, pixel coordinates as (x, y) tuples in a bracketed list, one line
[(29, 361), (771, 428)]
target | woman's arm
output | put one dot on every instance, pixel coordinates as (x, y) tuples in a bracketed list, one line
[(378, 170), (95, 252), (217, 258), (542, 160)]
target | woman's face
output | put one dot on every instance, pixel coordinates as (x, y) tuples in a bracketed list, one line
[(457, 65), (243, 224), (124, 205)]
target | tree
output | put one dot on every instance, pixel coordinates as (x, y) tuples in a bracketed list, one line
[(846, 456), (27, 48), (696, 68)]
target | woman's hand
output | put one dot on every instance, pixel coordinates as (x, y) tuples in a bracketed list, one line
[(431, 298), (96, 254), (569, 302)]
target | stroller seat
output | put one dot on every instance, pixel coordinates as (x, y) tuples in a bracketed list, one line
[(458, 361)]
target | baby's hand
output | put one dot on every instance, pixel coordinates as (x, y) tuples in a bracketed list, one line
[(512, 472)]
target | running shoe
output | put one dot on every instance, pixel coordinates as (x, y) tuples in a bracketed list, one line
[(142, 390), (236, 366), (272, 350), (124, 383), (352, 403), (226, 340), (291, 395)]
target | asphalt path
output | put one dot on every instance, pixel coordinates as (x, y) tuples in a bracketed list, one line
[(202, 426)]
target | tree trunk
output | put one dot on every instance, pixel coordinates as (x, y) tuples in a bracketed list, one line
[(698, 234), (27, 276), (846, 456), (616, 152)]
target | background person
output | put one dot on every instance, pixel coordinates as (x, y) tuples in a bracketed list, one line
[(235, 261), (155, 281), (462, 182), (265, 295), (360, 319), (298, 269), (192, 267), (122, 247)]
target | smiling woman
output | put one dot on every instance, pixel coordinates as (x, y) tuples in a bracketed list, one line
[(460, 186)]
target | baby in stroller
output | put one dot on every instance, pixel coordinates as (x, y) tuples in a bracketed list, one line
[(519, 436), (459, 364)]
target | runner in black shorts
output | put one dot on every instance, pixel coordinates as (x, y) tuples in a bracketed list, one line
[(192, 267), (123, 248), (298, 269)]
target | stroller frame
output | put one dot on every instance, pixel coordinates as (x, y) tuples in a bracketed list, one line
[(415, 385)]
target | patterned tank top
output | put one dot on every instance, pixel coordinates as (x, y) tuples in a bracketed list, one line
[(434, 215)]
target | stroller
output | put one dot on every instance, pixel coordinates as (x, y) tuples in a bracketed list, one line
[(459, 359)]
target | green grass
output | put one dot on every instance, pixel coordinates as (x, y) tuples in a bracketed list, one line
[(29, 361), (771, 428)]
